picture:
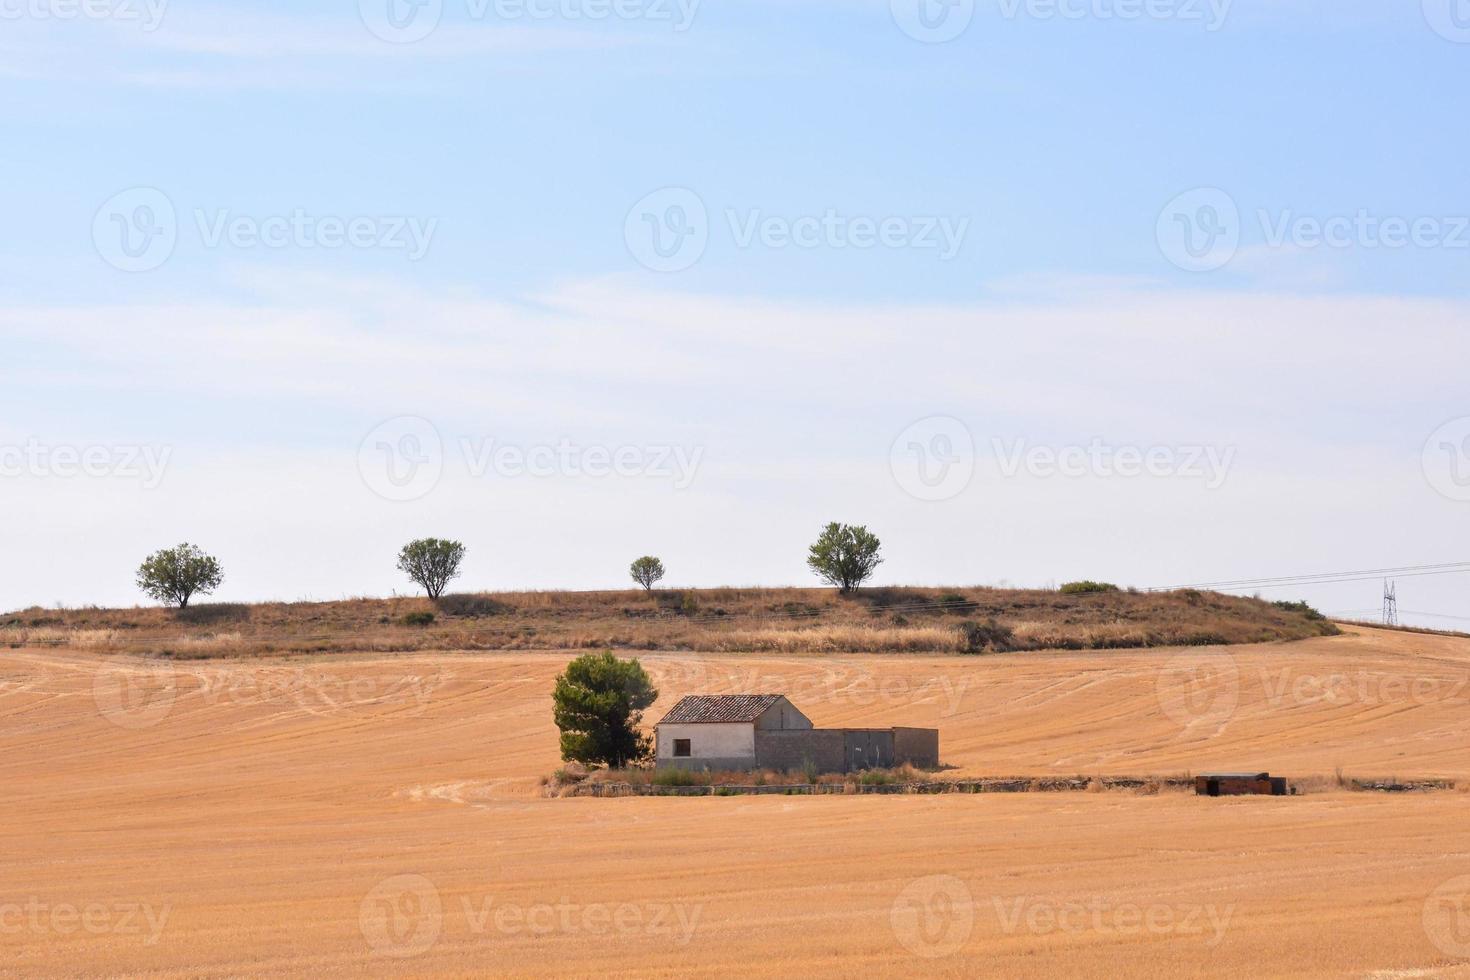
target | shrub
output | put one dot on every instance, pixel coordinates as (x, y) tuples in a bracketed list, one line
[(1301, 608), (417, 619), (990, 635), (1086, 586), (876, 777), (679, 777), (952, 602), (471, 606), (689, 604)]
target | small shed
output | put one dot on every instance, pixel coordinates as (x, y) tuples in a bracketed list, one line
[(1238, 784)]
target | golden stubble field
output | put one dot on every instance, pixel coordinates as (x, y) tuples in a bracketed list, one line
[(381, 815)]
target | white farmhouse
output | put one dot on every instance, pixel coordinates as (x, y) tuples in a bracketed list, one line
[(706, 731)]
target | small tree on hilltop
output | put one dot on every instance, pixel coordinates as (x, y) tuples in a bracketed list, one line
[(646, 571), (844, 556), (598, 705), (174, 575), (431, 562)]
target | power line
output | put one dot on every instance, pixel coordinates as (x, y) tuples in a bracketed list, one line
[(1324, 578)]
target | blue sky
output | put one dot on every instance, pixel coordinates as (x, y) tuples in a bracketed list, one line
[(1034, 175)]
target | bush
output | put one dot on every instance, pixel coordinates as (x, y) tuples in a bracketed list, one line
[(1087, 586), (989, 635), (1301, 608), (689, 604), (417, 619), (876, 777), (471, 606), (679, 777), (953, 602)]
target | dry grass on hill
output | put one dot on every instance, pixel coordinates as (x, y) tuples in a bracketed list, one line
[(726, 620)]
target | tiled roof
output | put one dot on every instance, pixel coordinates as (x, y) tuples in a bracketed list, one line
[(699, 708)]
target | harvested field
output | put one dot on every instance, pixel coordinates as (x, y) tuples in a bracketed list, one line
[(350, 814)]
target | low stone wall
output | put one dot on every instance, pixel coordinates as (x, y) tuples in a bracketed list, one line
[(1072, 784)]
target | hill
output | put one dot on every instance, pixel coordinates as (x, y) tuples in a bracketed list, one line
[(724, 620)]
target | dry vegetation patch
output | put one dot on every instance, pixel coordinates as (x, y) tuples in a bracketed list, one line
[(725, 620)]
